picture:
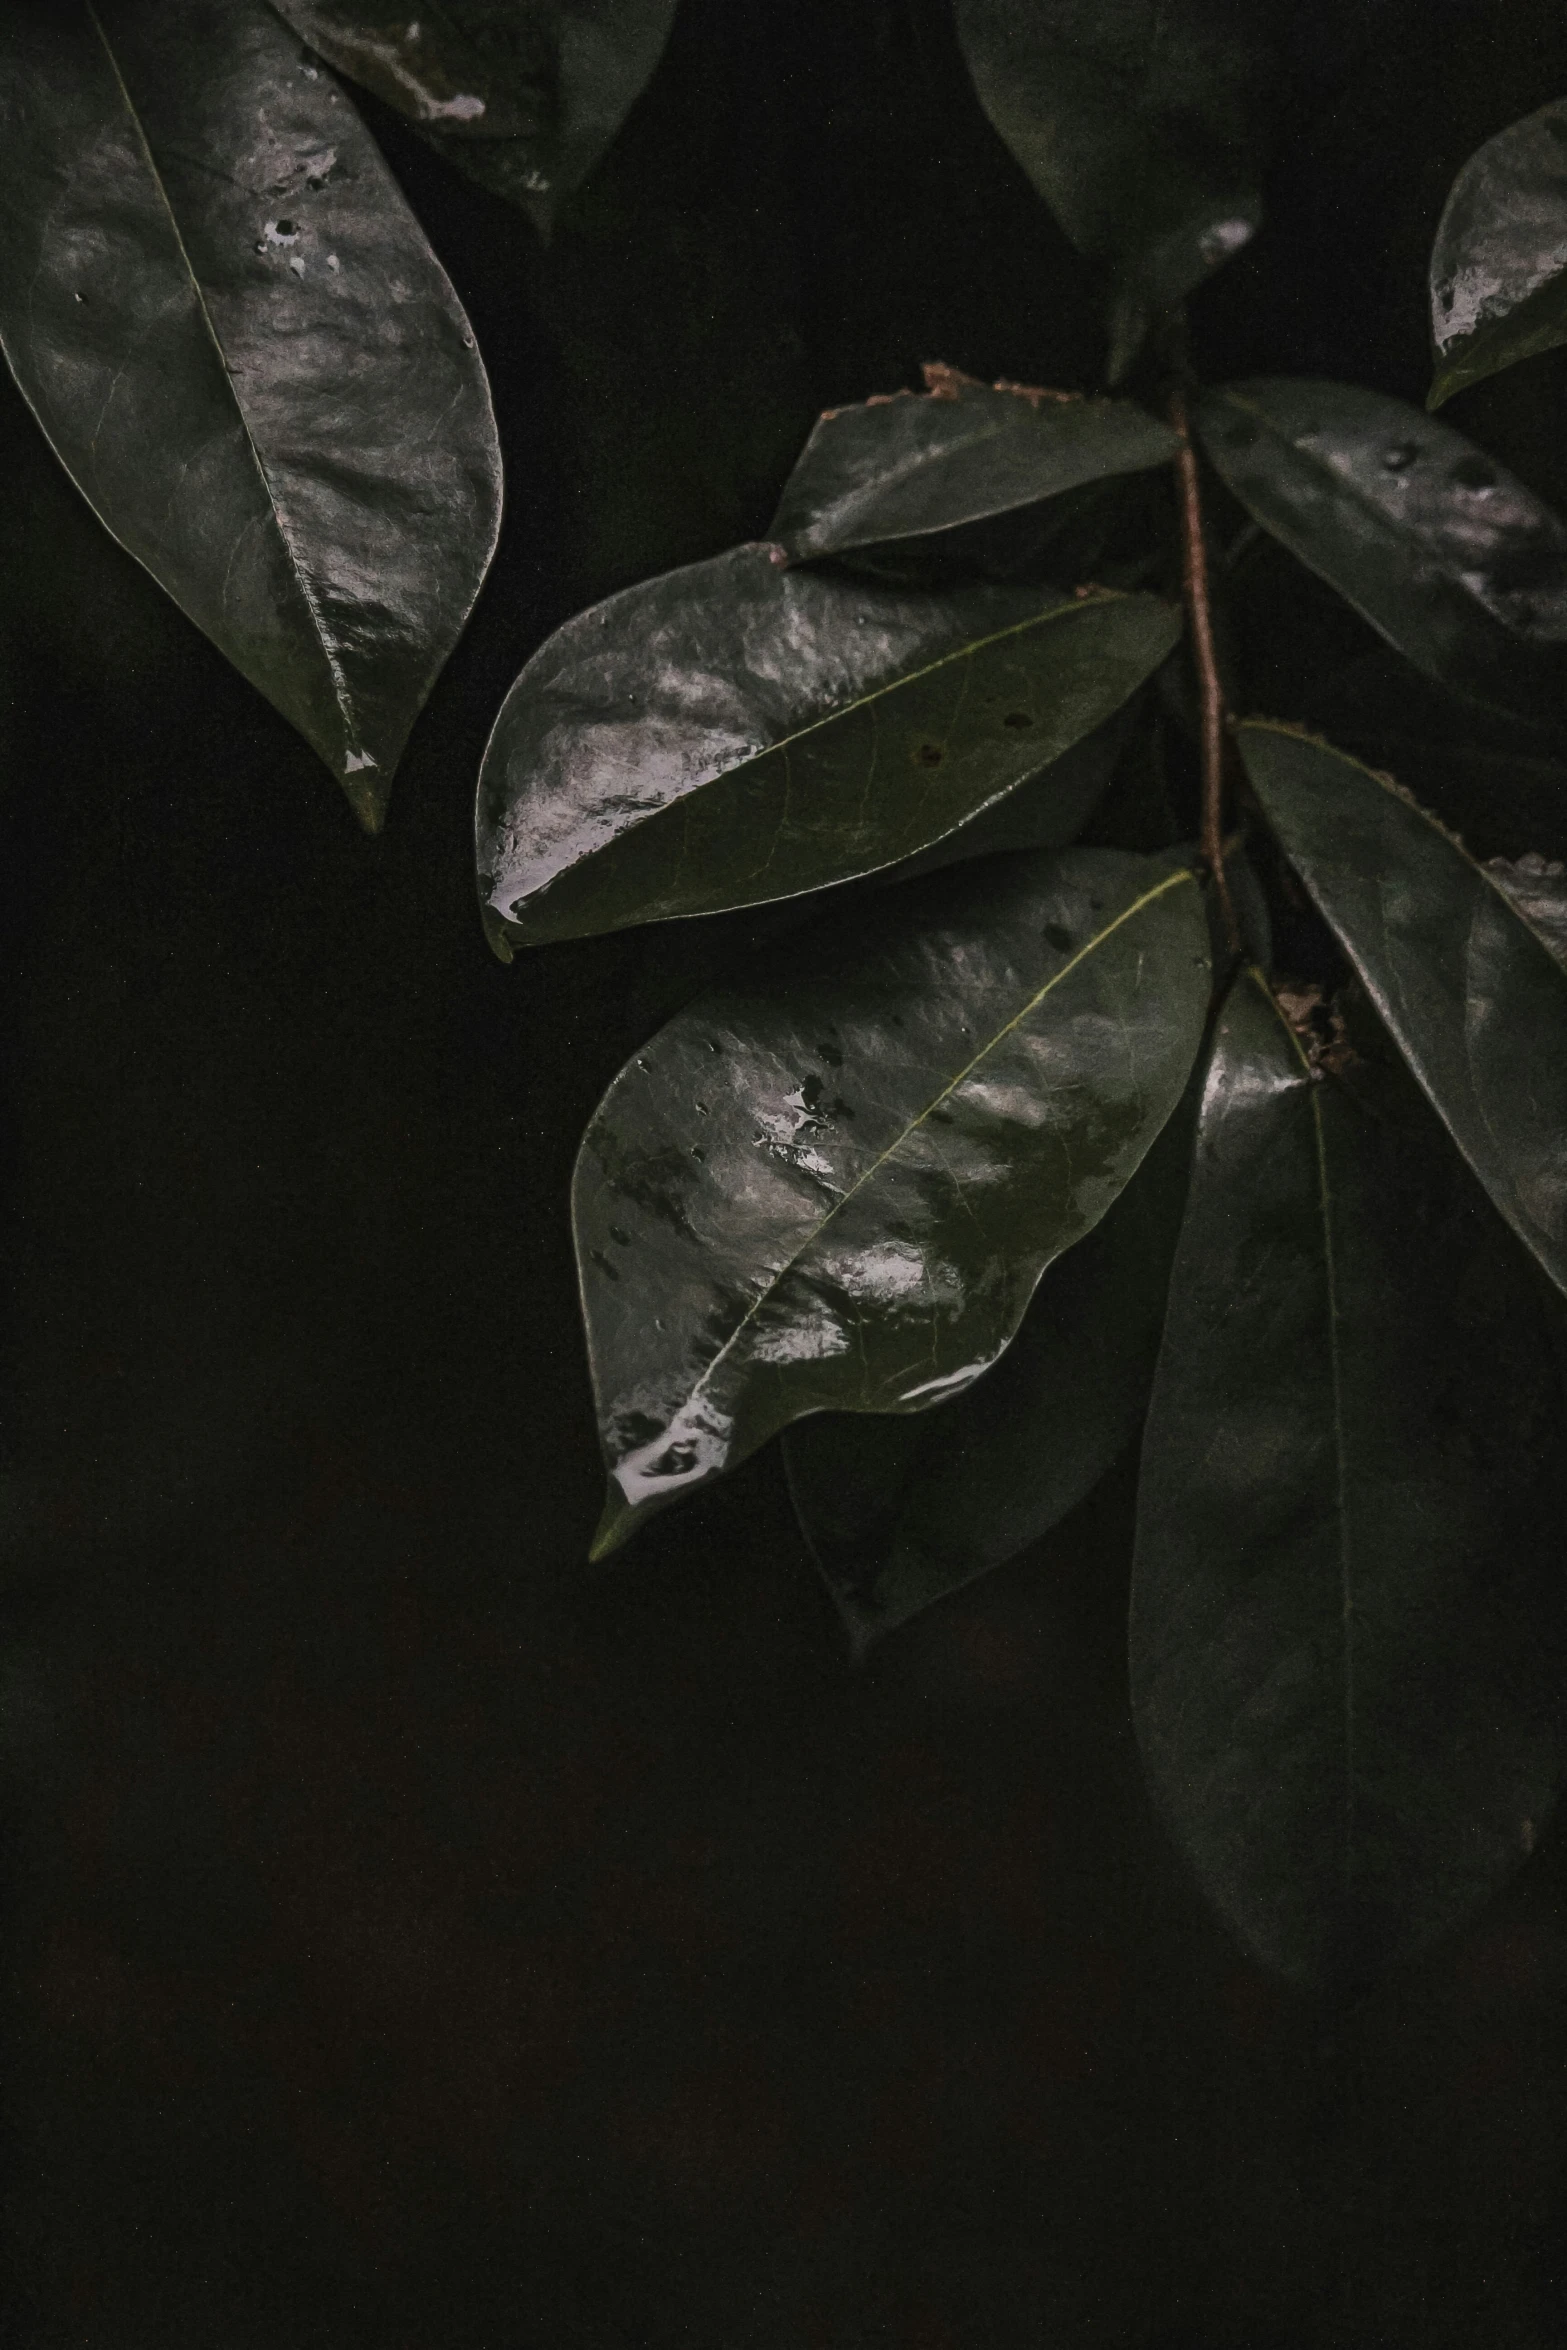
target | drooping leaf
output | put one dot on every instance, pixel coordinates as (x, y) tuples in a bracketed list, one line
[(1453, 560), (898, 1511), (1347, 1606), (835, 1186), (905, 466), (246, 356), (1499, 264), (1466, 985), (522, 95), (737, 732), (1140, 122)]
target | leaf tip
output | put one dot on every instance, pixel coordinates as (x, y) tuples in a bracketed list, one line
[(496, 935), (616, 1526), (367, 792)]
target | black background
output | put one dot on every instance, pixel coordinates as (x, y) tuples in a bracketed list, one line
[(415, 1937)]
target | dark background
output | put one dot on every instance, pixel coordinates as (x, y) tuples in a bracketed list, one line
[(415, 1937)]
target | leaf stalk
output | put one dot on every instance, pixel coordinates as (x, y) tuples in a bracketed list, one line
[(1210, 691)]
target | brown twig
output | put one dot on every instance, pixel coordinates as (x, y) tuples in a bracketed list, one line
[(1199, 614)]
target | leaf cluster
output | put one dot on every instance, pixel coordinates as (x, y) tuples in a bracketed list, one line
[(1119, 1063)]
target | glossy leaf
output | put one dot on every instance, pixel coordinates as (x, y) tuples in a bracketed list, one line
[(1456, 563), (1467, 986), (246, 356), (835, 1186), (1537, 886), (1499, 264), (736, 733), (898, 1511), (1140, 123), (522, 95), (903, 467), (1347, 1607)]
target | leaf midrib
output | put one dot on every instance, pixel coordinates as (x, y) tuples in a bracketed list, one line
[(327, 647)]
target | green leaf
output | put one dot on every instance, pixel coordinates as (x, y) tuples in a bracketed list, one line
[(835, 1186), (524, 96), (1348, 1622), (1537, 886), (906, 466), (1140, 123), (1456, 563), (900, 1511), (736, 733), (1466, 985), (246, 356), (1499, 264)]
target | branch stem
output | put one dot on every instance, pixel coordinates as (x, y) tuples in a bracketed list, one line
[(1210, 692)]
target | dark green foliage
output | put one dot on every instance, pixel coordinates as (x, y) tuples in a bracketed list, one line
[(1348, 1612), (246, 356), (522, 95), (909, 1184), (742, 732), (1499, 264), (836, 1186), (1455, 562)]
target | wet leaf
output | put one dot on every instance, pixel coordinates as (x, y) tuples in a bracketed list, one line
[(898, 1511), (1347, 1605), (904, 467), (1140, 123), (1499, 264), (246, 356), (737, 732), (1456, 563), (834, 1187), (1048, 812), (1537, 886), (522, 95), (1467, 986)]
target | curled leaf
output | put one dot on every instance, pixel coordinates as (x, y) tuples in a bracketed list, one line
[(835, 1186), (738, 732), (1499, 264), (243, 351)]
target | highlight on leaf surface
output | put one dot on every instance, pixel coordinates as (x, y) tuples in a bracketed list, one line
[(246, 356), (1499, 263), (524, 96), (739, 732), (1457, 564), (1349, 1622), (1460, 968), (835, 1185), (899, 1511), (908, 465)]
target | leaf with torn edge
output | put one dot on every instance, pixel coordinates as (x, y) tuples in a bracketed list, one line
[(906, 466), (1456, 563), (524, 96), (835, 1186), (737, 732), (899, 1511), (1465, 980), (1349, 1621), (1499, 264), (1141, 124), (246, 356)]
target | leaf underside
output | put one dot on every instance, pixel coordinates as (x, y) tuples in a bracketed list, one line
[(836, 1186), (738, 732), (1348, 1613), (235, 336)]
